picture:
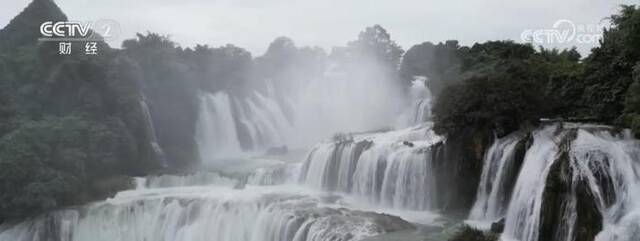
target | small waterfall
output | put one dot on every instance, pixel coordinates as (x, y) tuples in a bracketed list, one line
[(200, 214), (222, 118), (408, 181), (523, 216), (420, 103), (216, 134), (490, 204), (421, 95), (391, 169), (157, 150), (264, 121)]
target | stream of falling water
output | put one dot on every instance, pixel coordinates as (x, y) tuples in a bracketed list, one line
[(492, 190)]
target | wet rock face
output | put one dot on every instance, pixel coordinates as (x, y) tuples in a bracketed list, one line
[(498, 227), (564, 196), (458, 166), (467, 233)]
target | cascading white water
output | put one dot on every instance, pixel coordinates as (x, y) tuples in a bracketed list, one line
[(490, 200), (216, 134), (220, 115), (609, 167), (203, 214), (153, 138), (264, 120), (420, 103), (596, 153), (409, 182), (523, 217), (392, 169)]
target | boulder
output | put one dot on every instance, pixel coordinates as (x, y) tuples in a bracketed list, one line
[(497, 226)]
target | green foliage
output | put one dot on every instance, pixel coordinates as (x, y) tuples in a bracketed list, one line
[(23, 30), (631, 116), (65, 121), (46, 163), (503, 85), (41, 166), (608, 70)]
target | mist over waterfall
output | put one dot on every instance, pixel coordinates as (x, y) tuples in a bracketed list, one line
[(216, 133), (420, 102), (318, 108), (342, 103)]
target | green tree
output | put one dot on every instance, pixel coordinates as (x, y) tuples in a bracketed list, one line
[(609, 67)]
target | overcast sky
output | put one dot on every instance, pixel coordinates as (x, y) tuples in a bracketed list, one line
[(253, 24)]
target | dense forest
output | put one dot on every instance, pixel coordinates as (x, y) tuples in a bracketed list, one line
[(73, 127)]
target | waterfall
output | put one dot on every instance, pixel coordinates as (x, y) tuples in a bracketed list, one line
[(264, 121), (523, 216), (419, 110), (222, 116), (216, 134), (390, 169), (589, 165), (211, 213), (408, 181), (421, 96), (491, 198), (618, 158), (153, 138)]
